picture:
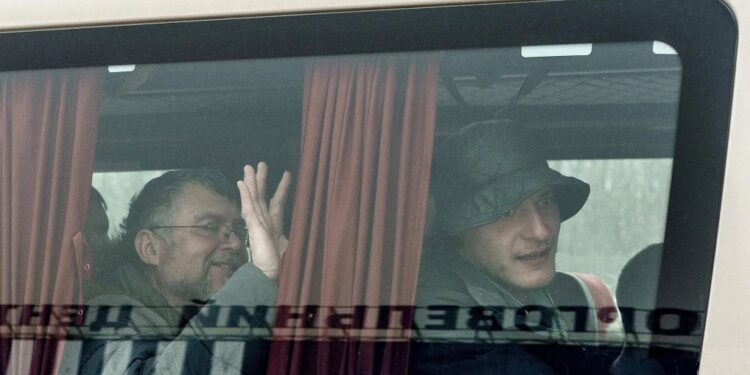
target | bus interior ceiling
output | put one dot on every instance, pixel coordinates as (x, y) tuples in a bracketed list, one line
[(618, 102)]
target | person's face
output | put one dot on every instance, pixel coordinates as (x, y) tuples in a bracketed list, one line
[(194, 263), (519, 248)]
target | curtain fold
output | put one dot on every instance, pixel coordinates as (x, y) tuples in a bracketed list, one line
[(48, 122), (367, 134)]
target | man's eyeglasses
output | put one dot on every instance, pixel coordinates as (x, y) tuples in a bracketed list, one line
[(215, 230)]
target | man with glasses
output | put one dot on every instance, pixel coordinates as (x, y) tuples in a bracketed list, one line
[(189, 233)]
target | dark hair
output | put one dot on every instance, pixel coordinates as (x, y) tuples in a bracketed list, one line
[(96, 197), (154, 204), (639, 280)]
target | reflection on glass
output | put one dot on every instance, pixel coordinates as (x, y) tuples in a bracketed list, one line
[(475, 207)]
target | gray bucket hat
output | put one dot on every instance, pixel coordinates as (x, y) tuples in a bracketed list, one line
[(488, 168)]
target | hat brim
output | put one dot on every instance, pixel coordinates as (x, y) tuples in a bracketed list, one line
[(462, 209)]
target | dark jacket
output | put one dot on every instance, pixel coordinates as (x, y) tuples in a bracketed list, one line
[(554, 336)]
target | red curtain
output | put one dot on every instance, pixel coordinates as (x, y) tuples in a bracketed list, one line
[(48, 122), (368, 128)]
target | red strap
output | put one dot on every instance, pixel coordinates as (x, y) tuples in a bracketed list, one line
[(606, 312)]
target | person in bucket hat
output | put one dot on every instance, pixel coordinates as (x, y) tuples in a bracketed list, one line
[(496, 195), (498, 207)]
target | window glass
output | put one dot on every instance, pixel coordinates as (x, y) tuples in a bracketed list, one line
[(114, 186), (479, 205), (514, 243), (635, 191)]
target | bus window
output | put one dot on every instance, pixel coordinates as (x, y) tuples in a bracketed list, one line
[(419, 209)]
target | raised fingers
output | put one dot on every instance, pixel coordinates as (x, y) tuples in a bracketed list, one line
[(253, 209), (282, 191), (246, 200), (278, 201), (250, 182), (265, 238), (260, 179)]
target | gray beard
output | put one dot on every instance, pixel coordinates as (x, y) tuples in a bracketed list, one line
[(197, 292), (202, 290)]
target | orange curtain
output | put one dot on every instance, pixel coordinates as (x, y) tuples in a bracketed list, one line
[(48, 122), (368, 128)]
